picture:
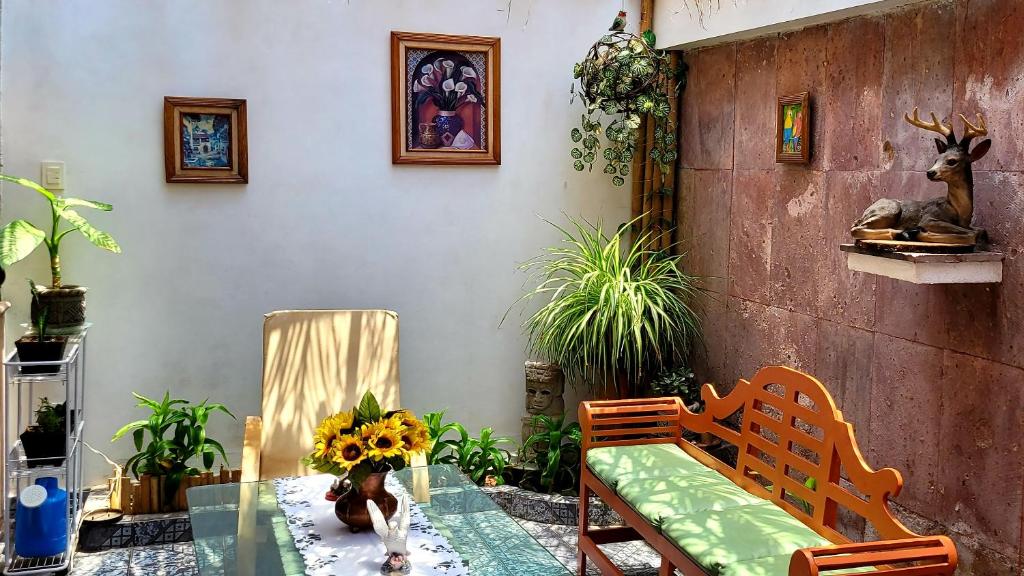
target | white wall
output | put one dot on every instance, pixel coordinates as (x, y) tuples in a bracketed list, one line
[(678, 24), (326, 220)]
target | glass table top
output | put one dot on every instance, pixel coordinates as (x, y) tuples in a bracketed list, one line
[(240, 529)]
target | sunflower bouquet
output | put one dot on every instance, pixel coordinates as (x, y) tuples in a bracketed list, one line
[(366, 440)]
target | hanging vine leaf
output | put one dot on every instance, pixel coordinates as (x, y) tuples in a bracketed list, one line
[(577, 153), (625, 78)]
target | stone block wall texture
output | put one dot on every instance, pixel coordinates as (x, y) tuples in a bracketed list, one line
[(932, 377)]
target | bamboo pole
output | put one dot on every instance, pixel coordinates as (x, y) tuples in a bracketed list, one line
[(644, 138), (668, 238), (144, 504)]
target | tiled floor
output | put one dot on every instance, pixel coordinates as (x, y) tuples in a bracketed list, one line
[(636, 559)]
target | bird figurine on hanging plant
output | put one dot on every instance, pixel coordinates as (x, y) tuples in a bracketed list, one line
[(619, 24)]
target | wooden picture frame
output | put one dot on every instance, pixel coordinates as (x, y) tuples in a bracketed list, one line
[(205, 140), (793, 129), (434, 125)]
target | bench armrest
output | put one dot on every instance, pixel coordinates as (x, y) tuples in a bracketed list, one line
[(926, 556), (627, 422)]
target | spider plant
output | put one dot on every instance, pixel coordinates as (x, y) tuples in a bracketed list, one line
[(177, 456), (613, 313)]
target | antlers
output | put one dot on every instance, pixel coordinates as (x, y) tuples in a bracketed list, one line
[(935, 126), (970, 130)]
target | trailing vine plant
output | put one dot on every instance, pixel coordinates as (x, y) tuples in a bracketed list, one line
[(622, 80)]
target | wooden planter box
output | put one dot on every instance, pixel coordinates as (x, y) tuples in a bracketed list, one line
[(145, 495)]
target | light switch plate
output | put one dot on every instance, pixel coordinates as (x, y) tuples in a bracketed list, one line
[(52, 175)]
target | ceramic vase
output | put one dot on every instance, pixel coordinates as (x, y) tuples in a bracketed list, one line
[(449, 124), (350, 508)]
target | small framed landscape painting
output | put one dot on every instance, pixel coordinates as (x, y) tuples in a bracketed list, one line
[(445, 99), (793, 122), (205, 140)]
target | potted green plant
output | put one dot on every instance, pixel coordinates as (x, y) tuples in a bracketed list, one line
[(626, 79), (65, 303), (40, 347), (613, 312), (553, 456), (45, 443), (183, 451)]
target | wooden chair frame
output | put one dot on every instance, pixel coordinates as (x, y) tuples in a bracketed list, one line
[(791, 430)]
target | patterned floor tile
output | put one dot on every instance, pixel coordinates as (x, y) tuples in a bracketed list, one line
[(106, 563), (163, 560)]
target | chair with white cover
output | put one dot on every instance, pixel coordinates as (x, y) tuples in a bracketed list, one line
[(316, 363)]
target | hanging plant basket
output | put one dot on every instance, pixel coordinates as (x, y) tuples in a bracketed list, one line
[(625, 78)]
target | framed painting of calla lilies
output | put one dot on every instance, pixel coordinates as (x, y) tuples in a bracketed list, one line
[(445, 99)]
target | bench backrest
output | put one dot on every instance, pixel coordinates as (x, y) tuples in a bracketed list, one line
[(795, 449)]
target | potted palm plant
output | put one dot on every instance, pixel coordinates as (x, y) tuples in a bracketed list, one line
[(613, 313), (40, 347), (65, 303)]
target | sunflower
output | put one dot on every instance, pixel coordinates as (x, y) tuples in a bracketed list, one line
[(415, 437), (329, 430), (370, 430), (349, 451), (384, 444)]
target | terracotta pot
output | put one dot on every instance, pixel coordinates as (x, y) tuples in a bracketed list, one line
[(66, 306), (351, 507)]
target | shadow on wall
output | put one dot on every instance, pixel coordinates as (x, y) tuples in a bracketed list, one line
[(317, 363)]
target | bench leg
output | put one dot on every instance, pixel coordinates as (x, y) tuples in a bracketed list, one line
[(667, 569), (584, 525)]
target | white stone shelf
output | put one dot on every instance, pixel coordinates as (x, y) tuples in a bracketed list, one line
[(921, 268)]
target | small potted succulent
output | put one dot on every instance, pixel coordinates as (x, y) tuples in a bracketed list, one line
[(40, 347), (45, 443), (19, 238)]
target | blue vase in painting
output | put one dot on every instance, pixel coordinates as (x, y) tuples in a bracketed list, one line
[(449, 124)]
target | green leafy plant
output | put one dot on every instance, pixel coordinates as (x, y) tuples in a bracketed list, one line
[(624, 77), (50, 418), (680, 382), (554, 449), (20, 237), (179, 454), (612, 311), (479, 458)]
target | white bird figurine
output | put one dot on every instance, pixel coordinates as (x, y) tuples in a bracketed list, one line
[(395, 537)]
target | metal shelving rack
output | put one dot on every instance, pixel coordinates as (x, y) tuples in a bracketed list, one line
[(21, 388)]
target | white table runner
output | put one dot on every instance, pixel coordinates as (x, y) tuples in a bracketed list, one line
[(329, 548)]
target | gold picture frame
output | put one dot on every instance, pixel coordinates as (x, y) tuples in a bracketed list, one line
[(445, 99)]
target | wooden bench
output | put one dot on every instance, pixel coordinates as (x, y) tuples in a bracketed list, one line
[(795, 453)]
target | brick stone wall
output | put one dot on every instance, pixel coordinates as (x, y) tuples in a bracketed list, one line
[(932, 377)]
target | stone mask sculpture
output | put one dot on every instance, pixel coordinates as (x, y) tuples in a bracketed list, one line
[(944, 219), (545, 385)]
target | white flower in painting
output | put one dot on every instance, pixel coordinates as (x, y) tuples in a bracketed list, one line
[(471, 98), (438, 64), (468, 72), (460, 88), (448, 67), (427, 81), (427, 69), (417, 87), (448, 85)]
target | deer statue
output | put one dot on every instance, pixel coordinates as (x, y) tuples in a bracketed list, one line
[(944, 219)]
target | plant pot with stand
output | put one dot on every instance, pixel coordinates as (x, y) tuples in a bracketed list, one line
[(45, 442)]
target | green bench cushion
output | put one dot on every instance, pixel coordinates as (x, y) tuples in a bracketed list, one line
[(615, 463), (774, 566), (658, 499), (718, 539)]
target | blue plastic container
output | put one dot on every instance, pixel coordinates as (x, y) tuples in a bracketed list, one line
[(41, 523)]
